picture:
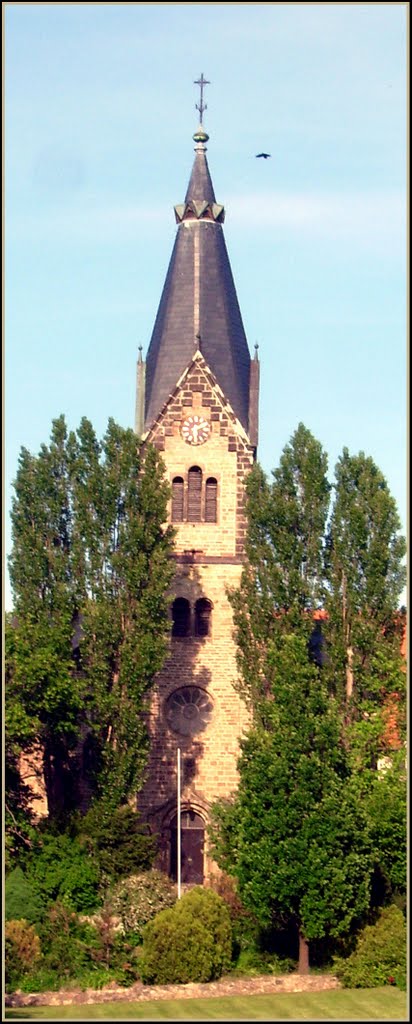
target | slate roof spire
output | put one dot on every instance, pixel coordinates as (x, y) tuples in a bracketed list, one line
[(198, 298)]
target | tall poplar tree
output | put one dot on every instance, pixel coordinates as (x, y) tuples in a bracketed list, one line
[(366, 667), (282, 582), (299, 835), (90, 566), (43, 675), (292, 835), (286, 822), (366, 573)]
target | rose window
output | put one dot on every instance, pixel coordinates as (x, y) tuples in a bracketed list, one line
[(188, 710)]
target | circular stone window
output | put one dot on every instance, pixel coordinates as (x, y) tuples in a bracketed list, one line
[(188, 710)]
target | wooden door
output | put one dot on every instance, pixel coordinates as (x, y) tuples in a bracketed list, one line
[(192, 846)]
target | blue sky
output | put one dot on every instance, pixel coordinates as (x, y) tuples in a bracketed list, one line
[(99, 116)]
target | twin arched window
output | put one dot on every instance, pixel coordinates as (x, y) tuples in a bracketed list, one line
[(186, 624), (200, 502)]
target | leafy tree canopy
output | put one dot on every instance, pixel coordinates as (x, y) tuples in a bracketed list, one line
[(90, 567), (293, 836), (301, 835)]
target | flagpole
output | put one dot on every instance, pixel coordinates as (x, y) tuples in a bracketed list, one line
[(179, 850)]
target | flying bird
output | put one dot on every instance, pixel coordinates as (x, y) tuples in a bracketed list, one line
[(265, 155)]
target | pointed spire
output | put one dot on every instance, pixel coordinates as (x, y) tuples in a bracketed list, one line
[(198, 298), (200, 188)]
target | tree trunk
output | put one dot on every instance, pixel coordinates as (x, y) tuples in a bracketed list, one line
[(349, 673), (303, 967), (349, 651)]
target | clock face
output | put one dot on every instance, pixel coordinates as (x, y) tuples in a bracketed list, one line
[(195, 430)]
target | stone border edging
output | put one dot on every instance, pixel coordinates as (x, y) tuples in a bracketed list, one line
[(227, 986)]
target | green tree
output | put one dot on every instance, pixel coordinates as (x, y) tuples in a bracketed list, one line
[(365, 666), (89, 568), (300, 835), (365, 573), (123, 552), (19, 735), (282, 581), (293, 836), (44, 682), (385, 802)]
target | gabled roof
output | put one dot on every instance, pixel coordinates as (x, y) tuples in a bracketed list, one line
[(198, 308), (198, 365)]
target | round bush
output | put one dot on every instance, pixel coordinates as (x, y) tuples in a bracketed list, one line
[(380, 954), (137, 899), (192, 941)]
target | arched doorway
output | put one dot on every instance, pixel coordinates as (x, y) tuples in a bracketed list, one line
[(192, 846)]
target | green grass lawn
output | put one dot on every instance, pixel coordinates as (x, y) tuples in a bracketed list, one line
[(342, 1005)]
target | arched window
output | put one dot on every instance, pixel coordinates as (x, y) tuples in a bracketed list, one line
[(177, 499), (211, 500), (194, 495), (181, 617), (203, 614)]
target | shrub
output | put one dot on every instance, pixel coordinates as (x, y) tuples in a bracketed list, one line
[(22, 950), (62, 869), (68, 944), (21, 899), (114, 951), (245, 929), (379, 956), (192, 941), (90, 955), (119, 842), (251, 962), (96, 977), (127, 962), (139, 898), (41, 979), (254, 962)]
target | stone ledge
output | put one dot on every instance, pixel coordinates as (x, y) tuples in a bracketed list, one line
[(227, 986)]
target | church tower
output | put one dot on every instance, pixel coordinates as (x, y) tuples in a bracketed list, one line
[(197, 402)]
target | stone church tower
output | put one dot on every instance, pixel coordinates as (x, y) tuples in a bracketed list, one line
[(197, 401)]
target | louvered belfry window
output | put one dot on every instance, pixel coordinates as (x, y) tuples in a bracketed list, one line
[(211, 500), (181, 617), (194, 495), (203, 612), (177, 499)]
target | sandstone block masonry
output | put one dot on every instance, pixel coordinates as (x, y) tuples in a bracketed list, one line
[(209, 559)]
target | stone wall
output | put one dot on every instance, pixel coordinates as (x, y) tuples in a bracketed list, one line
[(208, 562)]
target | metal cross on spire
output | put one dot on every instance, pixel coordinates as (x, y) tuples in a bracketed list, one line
[(201, 106)]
